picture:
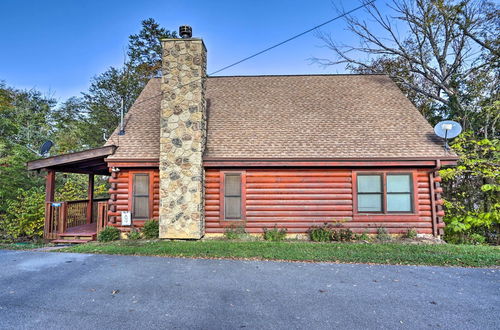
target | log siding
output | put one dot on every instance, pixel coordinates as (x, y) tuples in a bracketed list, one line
[(297, 199), (121, 195)]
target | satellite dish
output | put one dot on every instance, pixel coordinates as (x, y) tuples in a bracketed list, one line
[(447, 129), (44, 149)]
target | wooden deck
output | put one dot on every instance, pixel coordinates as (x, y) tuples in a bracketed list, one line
[(78, 234), (90, 228)]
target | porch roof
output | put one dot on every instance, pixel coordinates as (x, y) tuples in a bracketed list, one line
[(86, 162)]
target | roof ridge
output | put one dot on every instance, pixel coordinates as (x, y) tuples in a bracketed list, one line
[(303, 75), (297, 75)]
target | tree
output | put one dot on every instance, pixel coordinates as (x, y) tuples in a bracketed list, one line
[(145, 50), (116, 85), (447, 62), (449, 54), (24, 126)]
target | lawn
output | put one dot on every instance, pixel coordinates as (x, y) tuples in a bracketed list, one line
[(21, 246), (386, 253)]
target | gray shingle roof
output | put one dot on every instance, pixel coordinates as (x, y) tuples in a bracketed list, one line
[(309, 116)]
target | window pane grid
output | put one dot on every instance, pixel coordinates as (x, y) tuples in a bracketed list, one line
[(384, 193)]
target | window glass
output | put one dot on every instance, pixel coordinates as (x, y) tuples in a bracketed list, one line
[(141, 207), (398, 183), (233, 207), (369, 183), (399, 202), (232, 196), (140, 196), (369, 202), (233, 185)]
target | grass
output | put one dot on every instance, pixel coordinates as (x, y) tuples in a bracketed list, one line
[(386, 253), (21, 246)]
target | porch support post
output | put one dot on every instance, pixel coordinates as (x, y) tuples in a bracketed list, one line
[(50, 183), (90, 197)]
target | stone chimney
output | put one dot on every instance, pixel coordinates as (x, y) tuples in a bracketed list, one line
[(182, 137)]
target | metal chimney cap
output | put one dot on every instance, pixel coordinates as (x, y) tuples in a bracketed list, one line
[(185, 31)]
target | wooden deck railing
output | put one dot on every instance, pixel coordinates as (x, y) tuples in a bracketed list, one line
[(102, 216), (60, 216)]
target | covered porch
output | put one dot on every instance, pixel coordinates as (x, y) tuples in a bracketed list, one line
[(74, 221)]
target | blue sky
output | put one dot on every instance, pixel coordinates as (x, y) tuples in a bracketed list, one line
[(57, 46)]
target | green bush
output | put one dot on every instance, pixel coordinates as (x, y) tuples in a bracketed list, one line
[(410, 233), (382, 234), (109, 234), (321, 233), (274, 234), (25, 215), (134, 234), (234, 231), (473, 227), (151, 229), (343, 235), (363, 237)]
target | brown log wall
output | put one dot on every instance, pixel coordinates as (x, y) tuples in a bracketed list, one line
[(295, 199), (298, 199), (121, 198)]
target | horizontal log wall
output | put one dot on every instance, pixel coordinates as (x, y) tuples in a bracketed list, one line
[(299, 199), (121, 195)]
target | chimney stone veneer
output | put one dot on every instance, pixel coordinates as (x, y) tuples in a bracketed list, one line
[(182, 139)]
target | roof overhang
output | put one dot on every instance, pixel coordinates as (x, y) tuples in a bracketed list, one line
[(86, 162), (331, 162)]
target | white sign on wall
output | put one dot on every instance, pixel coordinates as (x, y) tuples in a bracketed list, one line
[(126, 218)]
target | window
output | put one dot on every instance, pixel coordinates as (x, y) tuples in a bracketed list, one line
[(232, 196), (370, 193), (399, 194), (384, 193), (140, 196)]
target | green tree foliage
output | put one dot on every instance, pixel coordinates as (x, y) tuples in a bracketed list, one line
[(116, 85), (27, 119), (24, 125), (25, 214), (445, 56), (473, 216)]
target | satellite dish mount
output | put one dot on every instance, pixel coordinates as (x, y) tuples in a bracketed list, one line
[(447, 129)]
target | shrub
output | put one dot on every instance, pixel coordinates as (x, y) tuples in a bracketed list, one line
[(274, 234), (320, 233), (343, 235), (382, 234), (234, 231), (468, 228), (151, 229), (25, 215), (477, 239), (134, 234), (363, 237), (109, 234), (410, 233)]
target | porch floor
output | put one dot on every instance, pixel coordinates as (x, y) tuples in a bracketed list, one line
[(88, 228), (78, 234)]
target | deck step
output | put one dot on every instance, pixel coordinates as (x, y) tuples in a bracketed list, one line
[(78, 236), (69, 241)]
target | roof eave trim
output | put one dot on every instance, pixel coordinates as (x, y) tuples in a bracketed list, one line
[(339, 162), (71, 157)]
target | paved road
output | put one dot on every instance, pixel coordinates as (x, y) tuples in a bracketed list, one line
[(77, 291)]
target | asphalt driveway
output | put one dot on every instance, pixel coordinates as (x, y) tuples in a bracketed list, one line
[(78, 291)]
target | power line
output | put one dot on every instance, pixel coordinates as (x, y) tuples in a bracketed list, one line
[(269, 48)]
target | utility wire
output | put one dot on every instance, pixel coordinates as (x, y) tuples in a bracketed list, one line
[(269, 48)]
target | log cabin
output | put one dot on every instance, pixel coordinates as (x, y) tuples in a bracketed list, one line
[(202, 153)]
